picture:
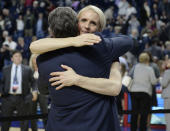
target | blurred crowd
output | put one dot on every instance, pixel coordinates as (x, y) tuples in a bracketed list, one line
[(146, 21), (23, 21)]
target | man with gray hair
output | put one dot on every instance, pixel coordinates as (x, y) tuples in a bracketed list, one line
[(62, 23)]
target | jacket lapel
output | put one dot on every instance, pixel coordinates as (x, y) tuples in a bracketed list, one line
[(9, 80), (23, 71), (22, 77)]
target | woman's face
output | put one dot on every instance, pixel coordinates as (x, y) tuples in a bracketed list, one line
[(88, 22)]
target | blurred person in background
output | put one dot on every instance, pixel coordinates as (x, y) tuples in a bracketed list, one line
[(41, 26), (41, 98), (157, 74), (122, 5), (141, 91), (130, 10), (2, 26), (28, 23), (20, 26), (165, 82), (15, 90), (24, 49), (147, 8), (133, 24), (155, 49), (35, 9), (8, 21), (138, 47), (164, 17), (167, 49), (109, 13), (5, 35), (8, 47), (10, 43)]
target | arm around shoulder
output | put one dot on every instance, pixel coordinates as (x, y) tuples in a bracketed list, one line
[(111, 86), (105, 86), (49, 44), (119, 45)]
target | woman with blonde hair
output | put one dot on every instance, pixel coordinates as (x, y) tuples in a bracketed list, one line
[(141, 92)]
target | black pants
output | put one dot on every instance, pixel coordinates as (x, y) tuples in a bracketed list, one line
[(140, 102), (11, 103), (43, 102)]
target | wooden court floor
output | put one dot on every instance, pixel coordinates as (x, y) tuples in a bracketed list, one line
[(122, 129), (18, 129)]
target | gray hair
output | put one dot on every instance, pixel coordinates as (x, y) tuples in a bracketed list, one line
[(63, 22)]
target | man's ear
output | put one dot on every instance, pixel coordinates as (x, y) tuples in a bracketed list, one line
[(50, 32)]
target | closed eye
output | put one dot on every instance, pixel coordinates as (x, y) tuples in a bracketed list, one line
[(93, 22), (83, 20)]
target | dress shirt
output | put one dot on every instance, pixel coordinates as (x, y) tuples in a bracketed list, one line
[(19, 77)]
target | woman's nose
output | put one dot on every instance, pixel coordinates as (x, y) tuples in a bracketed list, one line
[(87, 25)]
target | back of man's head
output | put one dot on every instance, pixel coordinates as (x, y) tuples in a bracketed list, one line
[(63, 22)]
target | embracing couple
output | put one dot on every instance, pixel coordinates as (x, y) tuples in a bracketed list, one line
[(81, 71)]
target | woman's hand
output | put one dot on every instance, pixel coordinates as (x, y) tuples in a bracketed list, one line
[(65, 78), (85, 39)]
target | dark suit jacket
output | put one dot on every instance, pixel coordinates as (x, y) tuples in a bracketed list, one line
[(28, 81)]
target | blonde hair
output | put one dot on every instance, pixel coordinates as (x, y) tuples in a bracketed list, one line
[(33, 56), (102, 19), (144, 58)]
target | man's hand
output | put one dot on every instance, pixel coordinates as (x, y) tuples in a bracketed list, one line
[(34, 95), (62, 79), (85, 39)]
